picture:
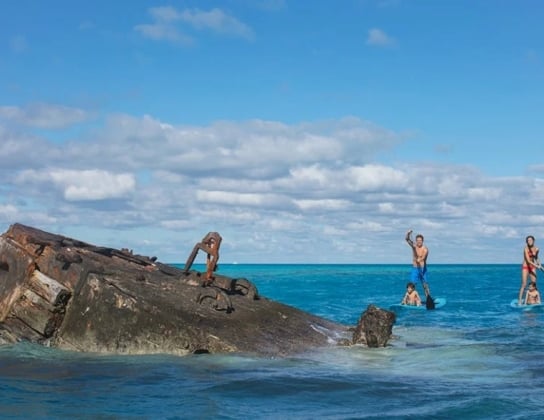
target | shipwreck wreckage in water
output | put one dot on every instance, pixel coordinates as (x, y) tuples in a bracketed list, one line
[(72, 295)]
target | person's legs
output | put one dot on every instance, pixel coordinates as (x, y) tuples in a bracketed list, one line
[(524, 273), (419, 275)]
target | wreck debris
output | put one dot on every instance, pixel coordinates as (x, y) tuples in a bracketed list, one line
[(68, 294), (221, 288), (216, 298), (209, 244)]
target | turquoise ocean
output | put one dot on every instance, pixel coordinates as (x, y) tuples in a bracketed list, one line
[(475, 358)]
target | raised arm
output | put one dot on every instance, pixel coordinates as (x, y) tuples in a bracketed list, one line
[(409, 239)]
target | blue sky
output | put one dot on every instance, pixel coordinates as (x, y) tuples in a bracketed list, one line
[(300, 131)]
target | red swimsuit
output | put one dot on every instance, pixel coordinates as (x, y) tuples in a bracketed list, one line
[(528, 267)]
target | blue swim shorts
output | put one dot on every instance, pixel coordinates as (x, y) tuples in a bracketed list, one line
[(418, 275)]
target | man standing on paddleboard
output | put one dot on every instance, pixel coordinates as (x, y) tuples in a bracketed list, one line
[(419, 265)]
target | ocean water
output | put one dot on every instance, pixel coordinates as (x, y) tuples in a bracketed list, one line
[(475, 358)]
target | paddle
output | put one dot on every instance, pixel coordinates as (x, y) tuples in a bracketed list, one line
[(429, 301)]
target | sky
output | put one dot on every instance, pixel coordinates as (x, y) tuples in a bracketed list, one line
[(301, 131)]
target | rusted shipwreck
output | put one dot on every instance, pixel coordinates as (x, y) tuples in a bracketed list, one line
[(69, 294)]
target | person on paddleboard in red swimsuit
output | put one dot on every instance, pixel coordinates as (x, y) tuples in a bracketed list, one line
[(529, 265)]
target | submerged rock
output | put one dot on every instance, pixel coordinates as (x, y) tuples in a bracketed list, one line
[(374, 327), (69, 294)]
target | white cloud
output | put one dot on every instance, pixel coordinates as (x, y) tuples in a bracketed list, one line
[(8, 212), (85, 185), (379, 38), (254, 149), (347, 179), (482, 193), (165, 13), (326, 204), (367, 226), (42, 115), (318, 183), (172, 25), (176, 224), (536, 168), (12, 145), (387, 208), (240, 199), (19, 149), (218, 21), (164, 27), (282, 224), (375, 178), (164, 31)]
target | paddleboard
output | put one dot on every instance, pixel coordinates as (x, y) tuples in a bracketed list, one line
[(523, 307), (438, 303)]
